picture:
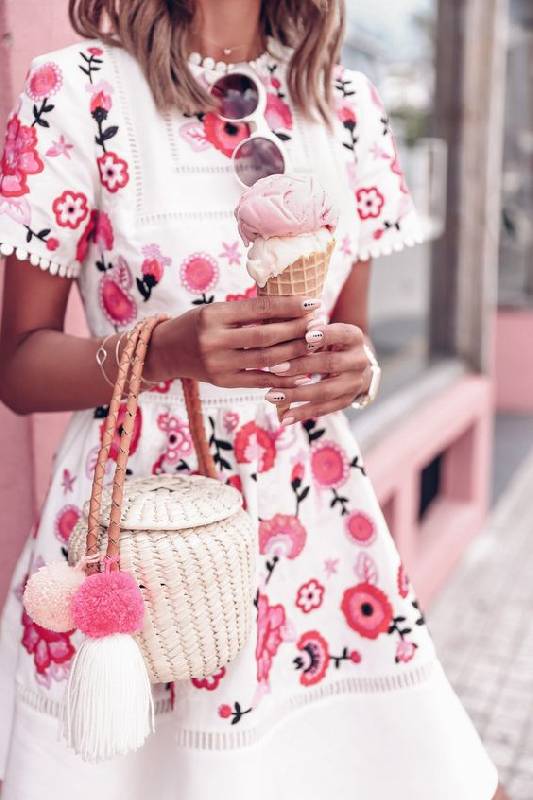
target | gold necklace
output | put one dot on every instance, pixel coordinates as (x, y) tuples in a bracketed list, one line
[(227, 51)]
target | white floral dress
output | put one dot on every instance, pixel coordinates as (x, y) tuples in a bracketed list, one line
[(338, 691)]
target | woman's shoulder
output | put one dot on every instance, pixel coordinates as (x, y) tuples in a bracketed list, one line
[(85, 56), (356, 86), (66, 78)]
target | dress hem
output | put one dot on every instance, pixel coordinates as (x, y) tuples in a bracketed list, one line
[(217, 740)]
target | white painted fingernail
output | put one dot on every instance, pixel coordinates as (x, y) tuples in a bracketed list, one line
[(313, 337), (283, 367), (312, 302), (302, 381), (274, 396)]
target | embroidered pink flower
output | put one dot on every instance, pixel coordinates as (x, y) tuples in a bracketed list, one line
[(367, 610), (178, 443), (99, 231), (211, 682), (251, 443), (355, 656), (225, 711), (70, 209), (329, 465), (154, 262), (331, 566), (277, 113), (225, 136), (360, 527), (65, 521), (177, 430), (310, 596), (20, 159), (115, 300), (270, 634), (314, 663), (346, 113), (51, 651), (235, 481), (231, 252), (199, 273), (230, 421), (137, 427), (101, 100), (405, 651), (370, 201), (298, 472), (52, 244), (44, 81), (95, 51), (60, 148), (403, 582), (163, 387), (283, 535), (113, 171)]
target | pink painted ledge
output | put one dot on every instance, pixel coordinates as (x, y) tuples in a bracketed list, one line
[(513, 361), (457, 423)]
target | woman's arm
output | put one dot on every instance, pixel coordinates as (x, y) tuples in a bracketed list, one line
[(226, 344), (352, 304), (42, 368)]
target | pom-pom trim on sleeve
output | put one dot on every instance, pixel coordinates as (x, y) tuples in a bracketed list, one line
[(71, 270), (388, 248)]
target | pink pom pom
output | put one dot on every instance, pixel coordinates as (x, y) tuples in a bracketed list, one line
[(106, 603), (48, 595)]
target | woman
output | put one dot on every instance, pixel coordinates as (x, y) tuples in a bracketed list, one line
[(118, 174)]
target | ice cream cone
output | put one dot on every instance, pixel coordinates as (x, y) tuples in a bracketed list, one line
[(288, 221), (306, 276)]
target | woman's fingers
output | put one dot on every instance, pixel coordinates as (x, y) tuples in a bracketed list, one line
[(265, 335), (325, 362), (312, 410), (281, 355), (255, 379), (352, 383), (266, 308), (338, 335)]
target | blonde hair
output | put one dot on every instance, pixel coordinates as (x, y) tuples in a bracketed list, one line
[(154, 32)]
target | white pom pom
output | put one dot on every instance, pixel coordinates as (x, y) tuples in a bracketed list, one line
[(109, 704), (48, 595)]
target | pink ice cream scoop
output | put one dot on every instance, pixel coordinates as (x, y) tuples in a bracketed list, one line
[(284, 205)]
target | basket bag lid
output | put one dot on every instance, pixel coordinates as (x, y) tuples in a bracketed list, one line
[(173, 502)]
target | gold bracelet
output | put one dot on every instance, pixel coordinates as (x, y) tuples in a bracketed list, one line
[(101, 355)]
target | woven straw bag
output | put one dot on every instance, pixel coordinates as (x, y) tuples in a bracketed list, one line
[(185, 539)]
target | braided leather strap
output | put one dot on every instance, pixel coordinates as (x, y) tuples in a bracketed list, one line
[(130, 371)]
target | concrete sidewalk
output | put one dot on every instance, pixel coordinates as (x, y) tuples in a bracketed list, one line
[(482, 624)]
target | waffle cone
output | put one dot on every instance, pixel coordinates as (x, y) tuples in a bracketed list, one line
[(305, 276)]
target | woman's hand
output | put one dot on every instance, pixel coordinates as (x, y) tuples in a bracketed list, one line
[(342, 364), (232, 344)]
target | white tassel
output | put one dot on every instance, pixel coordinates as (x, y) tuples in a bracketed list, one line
[(109, 704)]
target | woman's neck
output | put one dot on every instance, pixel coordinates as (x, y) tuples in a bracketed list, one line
[(227, 30)]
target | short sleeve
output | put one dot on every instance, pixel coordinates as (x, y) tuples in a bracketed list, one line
[(384, 207), (48, 173)]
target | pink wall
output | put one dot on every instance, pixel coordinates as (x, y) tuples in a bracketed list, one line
[(457, 423), (26, 29), (513, 361)]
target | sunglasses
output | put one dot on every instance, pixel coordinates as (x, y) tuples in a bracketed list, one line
[(240, 97)]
